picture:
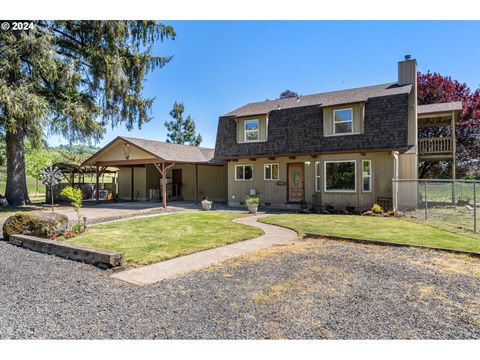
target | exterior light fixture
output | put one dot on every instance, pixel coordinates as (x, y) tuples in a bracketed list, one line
[(126, 150), (307, 163)]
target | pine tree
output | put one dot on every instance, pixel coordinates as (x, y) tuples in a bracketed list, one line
[(72, 78), (180, 130)]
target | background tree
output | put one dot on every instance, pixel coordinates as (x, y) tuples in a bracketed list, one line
[(72, 78), (288, 94), (435, 88), (180, 130), (36, 159)]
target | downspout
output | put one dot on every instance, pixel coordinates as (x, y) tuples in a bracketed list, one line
[(395, 180)]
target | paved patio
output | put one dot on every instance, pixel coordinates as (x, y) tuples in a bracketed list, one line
[(150, 274)]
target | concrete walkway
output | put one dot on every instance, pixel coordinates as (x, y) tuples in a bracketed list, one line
[(167, 269)]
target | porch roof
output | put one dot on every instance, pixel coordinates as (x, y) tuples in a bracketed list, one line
[(162, 150), (440, 108)]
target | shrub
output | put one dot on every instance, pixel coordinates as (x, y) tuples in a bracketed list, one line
[(77, 228), (377, 209), (75, 197), (391, 212), (252, 200)]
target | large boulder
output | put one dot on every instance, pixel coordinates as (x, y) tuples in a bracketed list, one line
[(36, 223)]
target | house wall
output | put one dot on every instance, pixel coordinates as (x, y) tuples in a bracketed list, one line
[(274, 192), (407, 191), (115, 152), (124, 183)]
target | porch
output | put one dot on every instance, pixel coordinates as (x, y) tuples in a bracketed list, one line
[(437, 132)]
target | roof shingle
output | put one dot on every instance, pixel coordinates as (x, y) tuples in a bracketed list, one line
[(322, 99)]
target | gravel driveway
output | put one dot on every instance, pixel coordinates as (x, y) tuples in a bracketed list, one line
[(308, 289)]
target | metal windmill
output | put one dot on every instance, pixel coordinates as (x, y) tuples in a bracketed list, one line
[(51, 176)]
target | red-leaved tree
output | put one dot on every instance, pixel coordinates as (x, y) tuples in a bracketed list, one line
[(288, 94), (435, 88)]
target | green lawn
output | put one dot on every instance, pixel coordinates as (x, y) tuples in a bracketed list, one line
[(157, 238), (377, 228), (31, 184)]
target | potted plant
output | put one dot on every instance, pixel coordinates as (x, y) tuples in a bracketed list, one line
[(206, 204), (252, 203)]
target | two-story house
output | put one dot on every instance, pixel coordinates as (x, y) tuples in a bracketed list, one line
[(340, 148)]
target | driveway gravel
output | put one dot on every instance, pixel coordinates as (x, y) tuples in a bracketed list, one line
[(315, 289)]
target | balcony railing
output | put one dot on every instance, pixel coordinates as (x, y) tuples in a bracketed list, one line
[(435, 146)]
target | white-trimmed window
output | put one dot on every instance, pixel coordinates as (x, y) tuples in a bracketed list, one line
[(244, 172), (270, 171), (343, 121), (339, 176), (318, 186), (252, 130), (367, 175)]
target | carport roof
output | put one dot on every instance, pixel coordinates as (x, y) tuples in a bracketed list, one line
[(163, 151)]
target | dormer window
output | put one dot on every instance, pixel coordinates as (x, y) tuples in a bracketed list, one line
[(343, 121), (252, 130)]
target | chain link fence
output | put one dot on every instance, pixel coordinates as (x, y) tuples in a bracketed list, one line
[(453, 202)]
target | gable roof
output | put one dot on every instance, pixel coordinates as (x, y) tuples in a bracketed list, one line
[(439, 108), (331, 98), (164, 151)]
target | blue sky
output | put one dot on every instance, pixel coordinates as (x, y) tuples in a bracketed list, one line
[(221, 65)]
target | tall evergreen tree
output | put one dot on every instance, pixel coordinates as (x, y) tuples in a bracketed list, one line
[(180, 130), (72, 78)]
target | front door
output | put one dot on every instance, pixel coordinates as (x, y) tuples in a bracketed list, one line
[(296, 192), (176, 182)]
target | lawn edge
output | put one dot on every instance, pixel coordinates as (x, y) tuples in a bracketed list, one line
[(299, 234), (387, 243)]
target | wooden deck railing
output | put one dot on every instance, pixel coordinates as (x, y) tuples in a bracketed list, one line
[(435, 145)]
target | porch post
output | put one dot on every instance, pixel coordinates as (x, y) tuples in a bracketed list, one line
[(164, 185), (196, 183), (132, 183), (454, 160), (97, 192)]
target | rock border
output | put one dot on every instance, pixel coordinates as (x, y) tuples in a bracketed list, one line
[(386, 243), (100, 258)]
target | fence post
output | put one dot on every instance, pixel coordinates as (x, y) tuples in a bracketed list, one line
[(474, 208), (426, 201)]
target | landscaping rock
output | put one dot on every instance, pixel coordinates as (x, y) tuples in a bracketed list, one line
[(36, 223)]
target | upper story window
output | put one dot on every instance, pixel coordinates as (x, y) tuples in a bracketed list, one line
[(343, 121), (252, 130)]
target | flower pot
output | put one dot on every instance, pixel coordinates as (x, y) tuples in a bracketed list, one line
[(206, 205), (252, 208)]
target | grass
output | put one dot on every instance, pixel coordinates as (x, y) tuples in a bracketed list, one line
[(157, 238), (389, 229), (31, 185)]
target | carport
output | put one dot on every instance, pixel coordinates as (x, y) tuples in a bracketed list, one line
[(135, 160)]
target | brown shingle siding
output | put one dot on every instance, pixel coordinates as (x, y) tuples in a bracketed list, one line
[(300, 131)]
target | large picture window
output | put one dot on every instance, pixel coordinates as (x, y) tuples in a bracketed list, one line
[(367, 175), (343, 121), (243, 172), (270, 171), (340, 176), (252, 130)]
